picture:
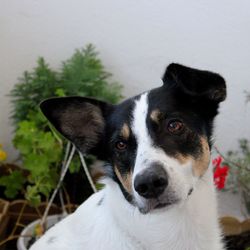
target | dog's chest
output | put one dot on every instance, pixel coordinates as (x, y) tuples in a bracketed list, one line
[(114, 225), (160, 239)]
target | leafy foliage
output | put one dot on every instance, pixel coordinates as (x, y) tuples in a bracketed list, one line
[(83, 74), (239, 177), (40, 146), (237, 163), (32, 88), (41, 153), (16, 179), (86, 76), (239, 168)]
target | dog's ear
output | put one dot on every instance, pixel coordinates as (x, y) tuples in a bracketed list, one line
[(197, 83), (81, 120)]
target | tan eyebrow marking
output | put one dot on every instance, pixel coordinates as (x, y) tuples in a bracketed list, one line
[(156, 115), (126, 180), (125, 131), (201, 163), (182, 159)]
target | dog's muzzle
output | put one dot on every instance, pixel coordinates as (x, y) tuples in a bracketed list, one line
[(152, 182)]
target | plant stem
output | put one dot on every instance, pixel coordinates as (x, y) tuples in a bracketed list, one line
[(65, 168), (87, 172), (229, 161), (18, 219)]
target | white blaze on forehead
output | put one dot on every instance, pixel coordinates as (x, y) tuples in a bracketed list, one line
[(180, 178), (145, 149), (139, 120), (147, 152)]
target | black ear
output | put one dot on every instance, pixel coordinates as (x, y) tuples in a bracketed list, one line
[(197, 83), (81, 120)]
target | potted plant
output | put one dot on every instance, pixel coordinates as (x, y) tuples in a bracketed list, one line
[(41, 148), (35, 229), (235, 167)]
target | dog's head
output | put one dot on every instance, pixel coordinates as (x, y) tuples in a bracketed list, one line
[(157, 144)]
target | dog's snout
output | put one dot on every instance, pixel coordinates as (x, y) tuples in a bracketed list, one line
[(152, 182)]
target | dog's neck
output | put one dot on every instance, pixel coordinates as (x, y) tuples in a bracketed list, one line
[(194, 222)]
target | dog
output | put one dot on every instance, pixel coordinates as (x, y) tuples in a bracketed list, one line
[(159, 192)]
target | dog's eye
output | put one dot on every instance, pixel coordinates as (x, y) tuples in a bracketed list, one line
[(121, 145), (175, 126)]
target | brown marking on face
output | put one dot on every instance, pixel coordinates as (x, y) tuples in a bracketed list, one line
[(125, 131), (182, 159), (156, 115), (200, 165), (125, 179)]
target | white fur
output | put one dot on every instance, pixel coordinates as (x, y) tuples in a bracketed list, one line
[(180, 176), (115, 224)]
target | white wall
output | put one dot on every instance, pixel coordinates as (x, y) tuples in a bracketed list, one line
[(136, 40)]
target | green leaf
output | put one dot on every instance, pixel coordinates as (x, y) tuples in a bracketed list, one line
[(60, 92), (13, 183), (32, 195), (75, 165)]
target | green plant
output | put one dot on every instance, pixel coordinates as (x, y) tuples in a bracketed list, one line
[(239, 173), (16, 177), (40, 146), (239, 168), (83, 74)]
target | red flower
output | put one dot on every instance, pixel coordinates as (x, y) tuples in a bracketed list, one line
[(220, 172)]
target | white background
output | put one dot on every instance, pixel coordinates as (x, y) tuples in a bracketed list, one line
[(136, 40)]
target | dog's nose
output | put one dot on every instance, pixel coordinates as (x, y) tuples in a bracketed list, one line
[(152, 182)]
